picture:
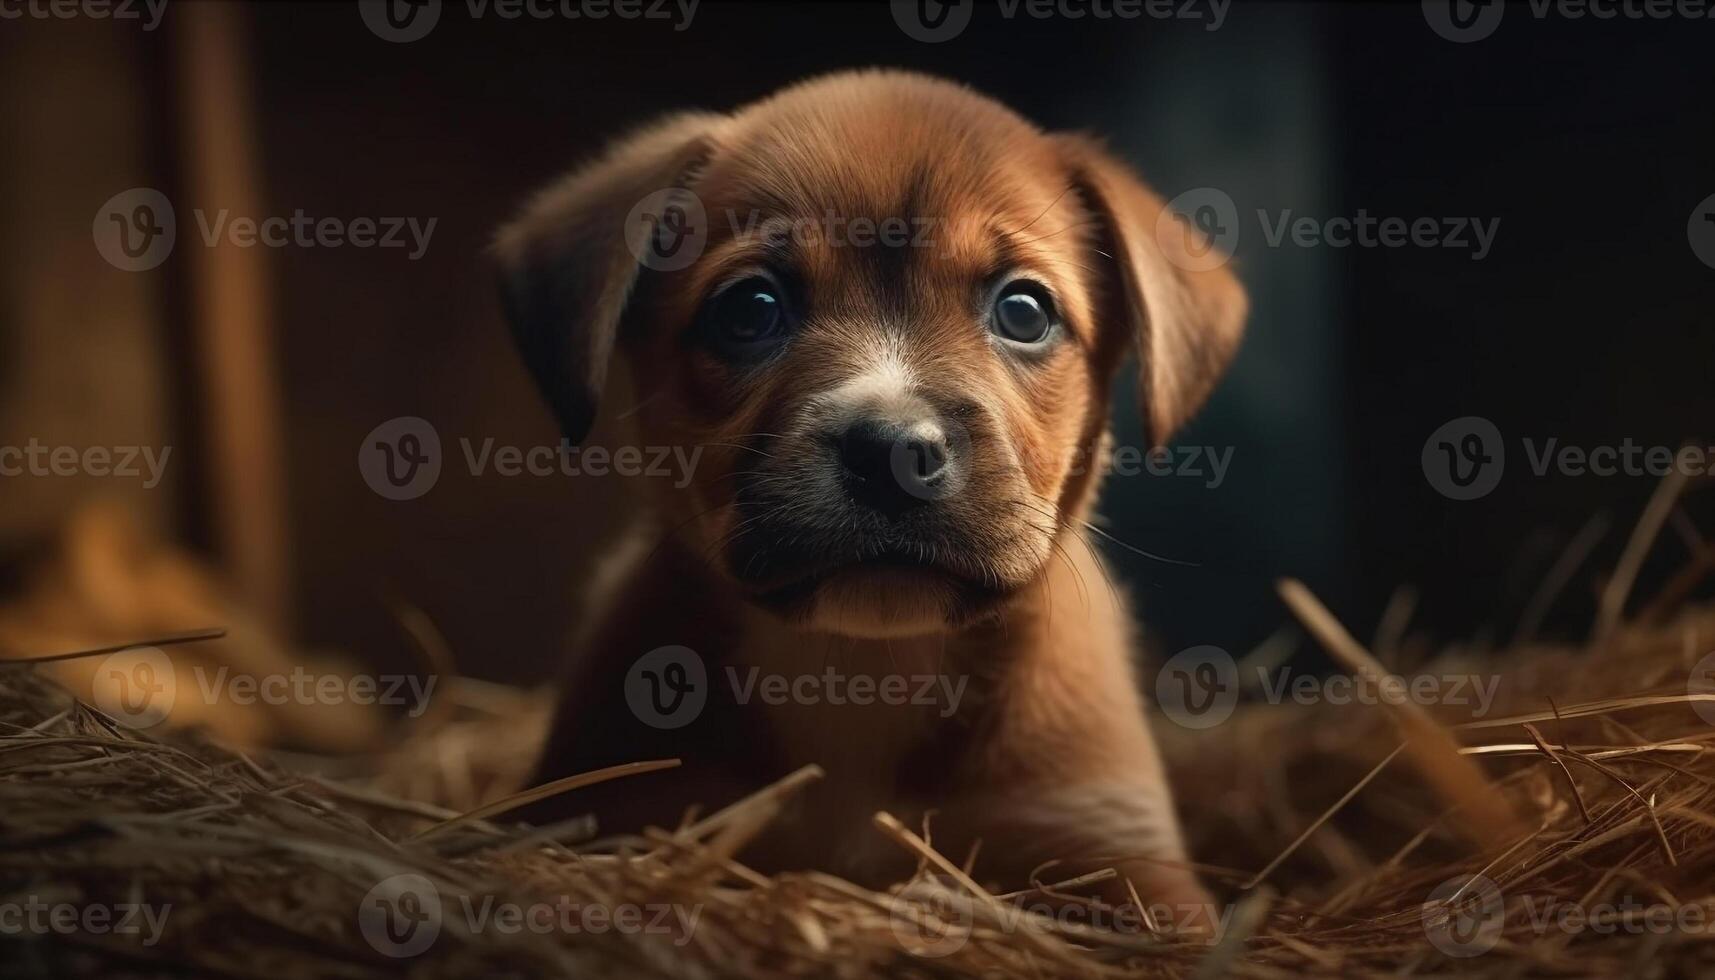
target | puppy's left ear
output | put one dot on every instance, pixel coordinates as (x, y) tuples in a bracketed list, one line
[(569, 263), (1185, 309)]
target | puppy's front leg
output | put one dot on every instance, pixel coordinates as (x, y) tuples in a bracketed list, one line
[(1069, 772)]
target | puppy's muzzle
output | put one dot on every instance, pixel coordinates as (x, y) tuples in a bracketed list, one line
[(893, 465)]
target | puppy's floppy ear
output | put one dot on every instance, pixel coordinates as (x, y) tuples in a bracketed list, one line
[(567, 272), (1186, 311)]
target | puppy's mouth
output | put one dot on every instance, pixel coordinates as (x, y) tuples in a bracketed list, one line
[(904, 562), (789, 571)]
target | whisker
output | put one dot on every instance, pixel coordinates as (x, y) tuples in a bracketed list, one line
[(734, 445), (1070, 227), (673, 532), (633, 410), (1077, 576), (1123, 544), (1101, 567), (1139, 551), (1045, 210)]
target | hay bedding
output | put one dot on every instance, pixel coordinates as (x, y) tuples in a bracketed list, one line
[(262, 868)]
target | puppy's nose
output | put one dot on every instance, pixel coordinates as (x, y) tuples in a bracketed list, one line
[(893, 465)]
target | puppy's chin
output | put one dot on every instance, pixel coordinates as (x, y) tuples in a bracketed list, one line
[(879, 599), (885, 603)]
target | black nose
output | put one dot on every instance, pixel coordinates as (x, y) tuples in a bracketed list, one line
[(894, 466)]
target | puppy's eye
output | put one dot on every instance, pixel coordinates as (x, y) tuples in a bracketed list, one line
[(747, 319), (1023, 313)]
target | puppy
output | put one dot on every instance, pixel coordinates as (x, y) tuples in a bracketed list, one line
[(890, 311)]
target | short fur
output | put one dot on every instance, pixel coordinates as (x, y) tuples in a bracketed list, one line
[(761, 562)]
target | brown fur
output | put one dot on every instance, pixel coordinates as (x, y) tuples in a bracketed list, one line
[(757, 563)]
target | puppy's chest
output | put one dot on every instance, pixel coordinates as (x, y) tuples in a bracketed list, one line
[(867, 712)]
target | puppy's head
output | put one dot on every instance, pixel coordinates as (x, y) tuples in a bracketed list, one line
[(889, 310)]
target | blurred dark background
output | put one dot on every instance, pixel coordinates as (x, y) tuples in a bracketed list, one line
[(1589, 319)]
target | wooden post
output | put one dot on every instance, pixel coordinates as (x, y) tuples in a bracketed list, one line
[(230, 304)]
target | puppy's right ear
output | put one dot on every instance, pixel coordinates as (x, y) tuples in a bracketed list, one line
[(567, 271), (1186, 311)]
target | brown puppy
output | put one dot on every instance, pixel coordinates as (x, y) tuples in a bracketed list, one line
[(891, 311)]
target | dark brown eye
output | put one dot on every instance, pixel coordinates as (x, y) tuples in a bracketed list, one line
[(746, 320), (1023, 313)]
